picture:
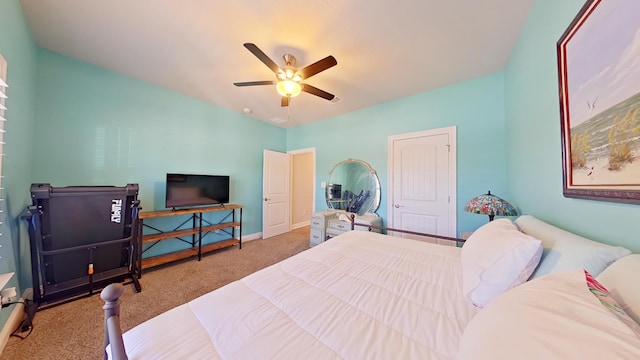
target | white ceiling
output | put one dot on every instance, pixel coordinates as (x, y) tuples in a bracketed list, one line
[(385, 49)]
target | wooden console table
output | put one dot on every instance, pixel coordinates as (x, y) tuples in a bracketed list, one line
[(197, 232)]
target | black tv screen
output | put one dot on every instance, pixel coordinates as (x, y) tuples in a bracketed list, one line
[(193, 190)]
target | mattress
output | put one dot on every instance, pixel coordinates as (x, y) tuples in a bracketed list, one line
[(359, 295)]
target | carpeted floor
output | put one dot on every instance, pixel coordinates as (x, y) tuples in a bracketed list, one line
[(75, 330)]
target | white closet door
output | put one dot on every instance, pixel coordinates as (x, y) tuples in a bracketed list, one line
[(422, 189)]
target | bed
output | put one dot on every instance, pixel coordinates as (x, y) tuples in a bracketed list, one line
[(522, 289)]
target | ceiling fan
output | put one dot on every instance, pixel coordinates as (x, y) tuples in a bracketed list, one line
[(289, 79)]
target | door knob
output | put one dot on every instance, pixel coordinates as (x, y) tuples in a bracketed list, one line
[(266, 199), (398, 206)]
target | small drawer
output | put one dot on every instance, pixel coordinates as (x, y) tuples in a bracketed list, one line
[(317, 236), (317, 222), (340, 225)]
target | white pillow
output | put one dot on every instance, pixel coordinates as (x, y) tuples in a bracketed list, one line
[(567, 251), (621, 281), (495, 258), (553, 317)]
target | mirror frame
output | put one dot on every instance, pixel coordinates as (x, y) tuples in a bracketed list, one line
[(376, 201)]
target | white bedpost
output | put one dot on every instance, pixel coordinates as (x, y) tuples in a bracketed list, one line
[(112, 332)]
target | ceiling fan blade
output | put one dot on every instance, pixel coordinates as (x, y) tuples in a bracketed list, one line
[(252, 83), (263, 57), (318, 66), (317, 92), (284, 101)]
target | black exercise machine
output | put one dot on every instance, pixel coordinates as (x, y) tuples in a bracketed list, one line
[(82, 238)]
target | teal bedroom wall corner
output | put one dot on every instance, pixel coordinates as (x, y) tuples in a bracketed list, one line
[(96, 127), (475, 107)]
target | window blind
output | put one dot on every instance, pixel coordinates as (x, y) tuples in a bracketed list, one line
[(3, 120), (6, 249)]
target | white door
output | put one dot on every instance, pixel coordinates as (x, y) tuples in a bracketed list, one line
[(422, 183), (276, 173)]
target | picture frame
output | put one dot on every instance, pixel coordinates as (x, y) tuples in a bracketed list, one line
[(600, 102)]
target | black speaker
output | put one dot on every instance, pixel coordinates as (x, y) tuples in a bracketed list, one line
[(81, 237)]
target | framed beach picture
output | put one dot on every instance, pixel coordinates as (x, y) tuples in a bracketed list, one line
[(599, 80)]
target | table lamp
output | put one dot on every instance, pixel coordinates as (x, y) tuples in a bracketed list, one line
[(489, 204)]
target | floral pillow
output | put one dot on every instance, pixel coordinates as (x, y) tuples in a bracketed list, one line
[(605, 298)]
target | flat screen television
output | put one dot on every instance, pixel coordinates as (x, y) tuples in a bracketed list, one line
[(194, 190)]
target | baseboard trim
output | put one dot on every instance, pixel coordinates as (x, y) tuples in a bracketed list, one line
[(15, 319), (300, 224), (250, 237), (258, 235)]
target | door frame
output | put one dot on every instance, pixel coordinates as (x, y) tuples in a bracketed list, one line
[(451, 132), (312, 151)]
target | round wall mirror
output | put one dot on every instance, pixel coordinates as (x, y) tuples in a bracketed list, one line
[(354, 187)]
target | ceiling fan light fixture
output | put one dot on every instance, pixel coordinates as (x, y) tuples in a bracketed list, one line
[(289, 73), (289, 78), (288, 88)]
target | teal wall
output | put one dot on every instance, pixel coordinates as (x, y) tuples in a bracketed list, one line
[(96, 127), (71, 123), (475, 107), (534, 168), (19, 49)]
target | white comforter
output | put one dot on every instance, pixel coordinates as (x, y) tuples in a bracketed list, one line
[(360, 295)]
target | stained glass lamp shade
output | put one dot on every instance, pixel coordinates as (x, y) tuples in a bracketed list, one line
[(489, 204)]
